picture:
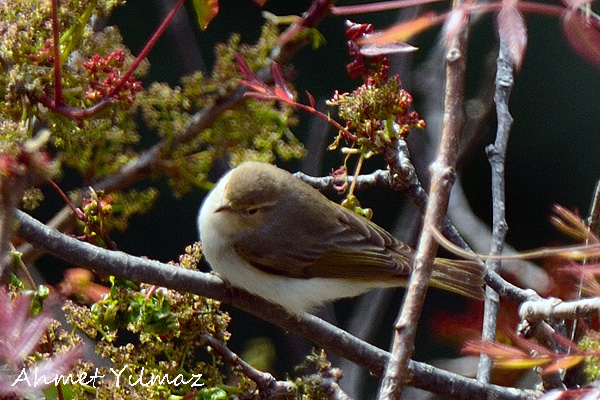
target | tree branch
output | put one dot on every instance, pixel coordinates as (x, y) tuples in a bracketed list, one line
[(267, 385), (554, 308), (497, 157), (209, 285), (442, 172)]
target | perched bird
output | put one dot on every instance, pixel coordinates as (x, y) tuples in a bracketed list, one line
[(265, 231)]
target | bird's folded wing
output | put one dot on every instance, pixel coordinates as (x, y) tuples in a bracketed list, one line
[(355, 249)]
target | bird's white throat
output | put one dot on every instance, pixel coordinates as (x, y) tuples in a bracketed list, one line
[(295, 295)]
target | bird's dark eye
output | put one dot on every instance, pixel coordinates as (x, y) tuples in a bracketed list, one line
[(252, 211)]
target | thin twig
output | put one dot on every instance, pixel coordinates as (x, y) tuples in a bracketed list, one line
[(56, 52), (553, 308), (267, 385), (442, 172), (497, 157), (139, 269)]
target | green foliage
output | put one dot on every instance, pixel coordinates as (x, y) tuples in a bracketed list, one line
[(371, 109), (124, 204), (351, 202), (12, 134), (249, 130), (318, 378), (98, 143), (144, 331), (100, 213), (32, 198), (591, 364)]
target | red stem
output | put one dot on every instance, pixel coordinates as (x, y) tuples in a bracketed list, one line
[(326, 118), (78, 214), (56, 50), (146, 48), (377, 7), (72, 112)]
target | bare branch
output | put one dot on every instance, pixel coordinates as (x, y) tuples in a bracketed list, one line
[(554, 308), (442, 171), (326, 335), (376, 178), (497, 157), (267, 385)]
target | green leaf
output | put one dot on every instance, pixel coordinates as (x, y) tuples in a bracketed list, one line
[(206, 11)]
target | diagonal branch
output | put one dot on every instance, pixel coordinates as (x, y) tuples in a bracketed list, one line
[(326, 335), (267, 385)]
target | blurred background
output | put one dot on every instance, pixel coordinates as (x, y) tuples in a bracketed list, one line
[(552, 156)]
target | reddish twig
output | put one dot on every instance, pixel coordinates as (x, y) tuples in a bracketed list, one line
[(56, 51), (76, 211), (55, 103), (281, 92), (149, 46)]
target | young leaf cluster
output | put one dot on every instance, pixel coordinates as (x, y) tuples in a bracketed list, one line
[(144, 330), (372, 108), (250, 130)]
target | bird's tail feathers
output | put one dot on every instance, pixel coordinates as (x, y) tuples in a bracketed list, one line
[(459, 276)]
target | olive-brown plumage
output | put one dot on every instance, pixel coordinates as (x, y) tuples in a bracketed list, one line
[(266, 231)]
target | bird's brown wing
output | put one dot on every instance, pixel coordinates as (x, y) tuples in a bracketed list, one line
[(355, 249)]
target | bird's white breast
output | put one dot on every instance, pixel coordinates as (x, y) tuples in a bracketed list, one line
[(295, 295)]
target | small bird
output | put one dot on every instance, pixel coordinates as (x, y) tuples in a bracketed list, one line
[(267, 232)]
